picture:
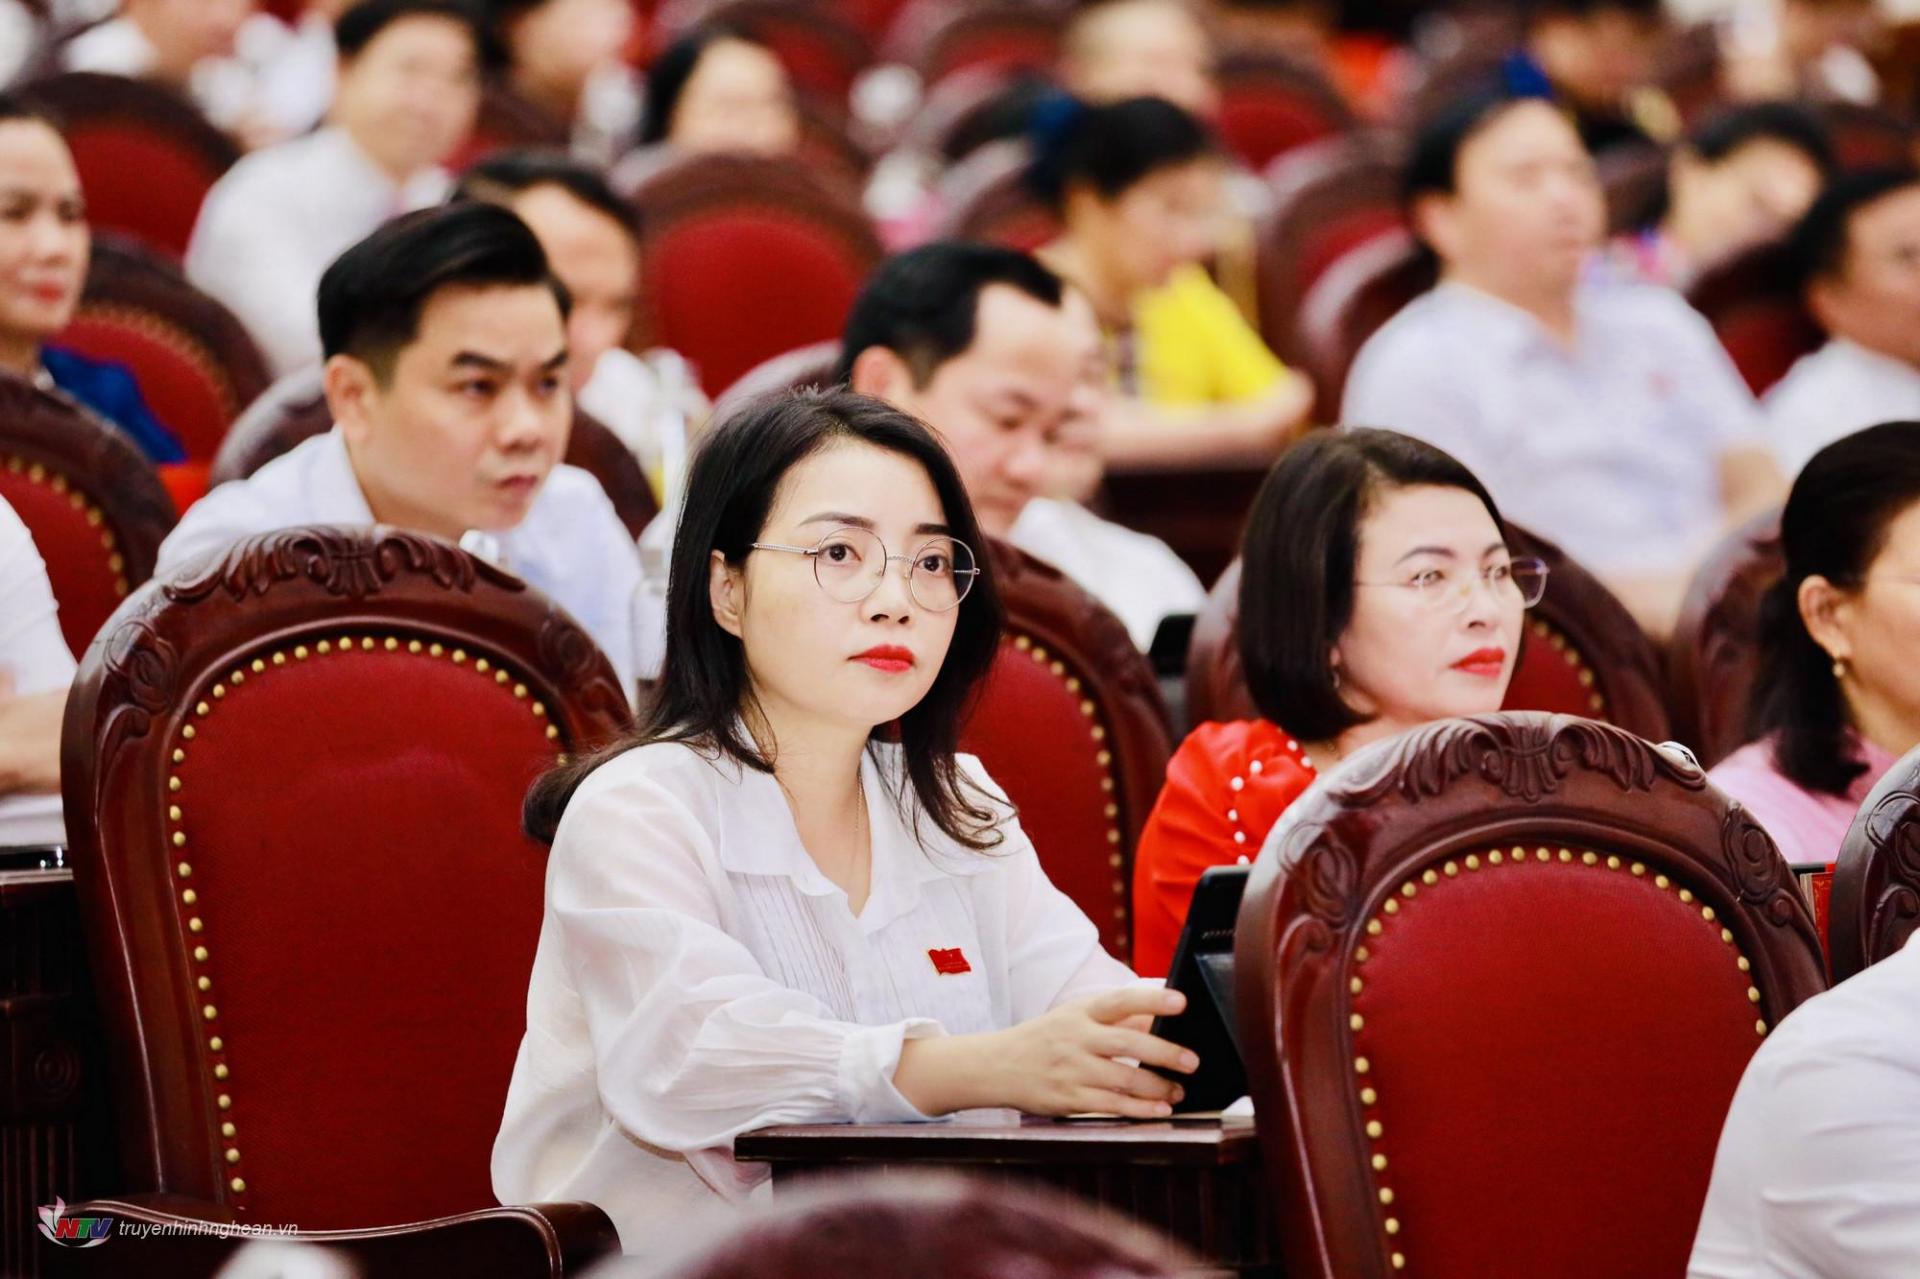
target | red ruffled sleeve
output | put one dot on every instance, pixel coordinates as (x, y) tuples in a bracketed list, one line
[(1226, 787)]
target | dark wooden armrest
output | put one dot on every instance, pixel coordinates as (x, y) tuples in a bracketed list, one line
[(528, 1241)]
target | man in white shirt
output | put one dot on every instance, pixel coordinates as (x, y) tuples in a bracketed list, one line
[(446, 372), (1860, 248), (995, 353), (186, 44), (409, 85), (35, 670), (1818, 1171), (1603, 415)]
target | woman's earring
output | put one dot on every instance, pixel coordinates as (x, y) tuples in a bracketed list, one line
[(1839, 668), (1336, 679)]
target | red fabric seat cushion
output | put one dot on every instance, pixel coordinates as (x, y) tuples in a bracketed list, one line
[(1030, 732), (1554, 1047), (140, 183), (180, 381), (1259, 122), (731, 290), (1327, 243), (370, 911), (1552, 676), (84, 566)]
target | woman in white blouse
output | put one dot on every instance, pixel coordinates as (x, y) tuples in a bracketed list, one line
[(35, 670), (788, 899)]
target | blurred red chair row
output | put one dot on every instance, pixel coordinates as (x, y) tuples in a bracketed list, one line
[(91, 500), (1443, 1085), (1582, 653), (292, 777)]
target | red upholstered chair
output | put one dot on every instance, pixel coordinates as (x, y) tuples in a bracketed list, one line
[(940, 37), (1713, 657), (822, 50), (1875, 906), (1753, 303), (96, 510), (1497, 981), (1271, 104), (294, 410), (1329, 198), (292, 776), (1198, 510), (507, 120), (1582, 653), (1869, 137), (1363, 289), (195, 361), (986, 198), (810, 365), (743, 258), (145, 153), (1071, 724)]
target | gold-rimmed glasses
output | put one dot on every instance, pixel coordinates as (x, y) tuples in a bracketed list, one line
[(850, 562)]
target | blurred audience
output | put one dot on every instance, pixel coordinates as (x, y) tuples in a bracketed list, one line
[(650, 402), (1859, 250), (188, 45), (564, 58), (717, 90), (295, 65), (35, 669), (1816, 49), (446, 373), (1003, 361), (1599, 56), (44, 246), (1837, 700), (1742, 178), (1138, 187), (1376, 593), (408, 90), (1605, 416), (1120, 49)]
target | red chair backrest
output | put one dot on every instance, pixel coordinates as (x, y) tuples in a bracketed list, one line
[(1714, 655), (1498, 979), (744, 258), (1875, 903), (1329, 198), (940, 37), (195, 361), (1363, 289), (1271, 104), (293, 778), (987, 198), (810, 365), (294, 409), (823, 51), (1582, 652), (1071, 725), (146, 155), (96, 510), (1755, 307)]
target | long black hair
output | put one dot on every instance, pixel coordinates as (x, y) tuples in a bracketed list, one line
[(731, 487), (1834, 525), (1111, 146), (1298, 558)]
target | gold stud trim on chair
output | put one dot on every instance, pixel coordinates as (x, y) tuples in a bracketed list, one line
[(38, 473), (1451, 870), (193, 925), (164, 333), (1103, 757), (1596, 700)]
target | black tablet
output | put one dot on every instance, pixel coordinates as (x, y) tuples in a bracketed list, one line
[(1203, 972)]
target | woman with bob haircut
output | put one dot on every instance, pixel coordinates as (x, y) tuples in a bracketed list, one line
[(1377, 593), (787, 899), (1838, 699)]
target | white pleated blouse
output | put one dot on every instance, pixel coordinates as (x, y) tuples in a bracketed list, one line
[(698, 977)]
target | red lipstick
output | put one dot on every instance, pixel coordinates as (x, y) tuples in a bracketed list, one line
[(1484, 662), (887, 657)]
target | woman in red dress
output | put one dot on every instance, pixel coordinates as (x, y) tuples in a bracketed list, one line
[(1376, 593)]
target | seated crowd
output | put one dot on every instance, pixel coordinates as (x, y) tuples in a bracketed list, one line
[(788, 894)]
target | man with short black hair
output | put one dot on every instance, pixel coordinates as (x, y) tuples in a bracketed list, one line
[(1006, 363), (446, 372), (1858, 249), (409, 86)]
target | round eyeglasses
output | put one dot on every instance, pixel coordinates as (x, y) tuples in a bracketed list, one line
[(849, 564), (1439, 590)]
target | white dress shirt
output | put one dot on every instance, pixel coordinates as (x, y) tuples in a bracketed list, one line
[(275, 222), (698, 977), (1839, 389), (1612, 449), (651, 402), (35, 657), (571, 545), (1818, 1171), (1136, 576), (225, 89)]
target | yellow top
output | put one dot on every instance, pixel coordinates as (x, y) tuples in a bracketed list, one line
[(1193, 347)]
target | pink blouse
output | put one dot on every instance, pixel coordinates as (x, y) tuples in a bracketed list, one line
[(1807, 825)]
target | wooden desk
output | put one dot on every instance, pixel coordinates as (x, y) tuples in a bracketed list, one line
[(1199, 1182)]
